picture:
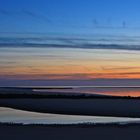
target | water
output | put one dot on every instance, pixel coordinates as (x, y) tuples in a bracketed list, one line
[(114, 91), (18, 116)]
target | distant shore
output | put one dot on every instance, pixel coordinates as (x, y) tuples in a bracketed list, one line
[(63, 92), (70, 132)]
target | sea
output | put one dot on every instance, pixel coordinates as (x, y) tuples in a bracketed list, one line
[(133, 91), (26, 117)]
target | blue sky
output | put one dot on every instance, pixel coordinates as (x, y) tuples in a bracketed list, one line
[(70, 16)]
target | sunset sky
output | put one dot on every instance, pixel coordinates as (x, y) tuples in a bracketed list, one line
[(68, 63), (69, 39)]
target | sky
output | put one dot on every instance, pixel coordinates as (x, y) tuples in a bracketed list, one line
[(70, 16), (69, 39)]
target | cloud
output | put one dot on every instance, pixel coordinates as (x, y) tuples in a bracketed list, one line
[(81, 46), (119, 68), (76, 76), (117, 75), (45, 76), (31, 14), (37, 16), (65, 42), (4, 12)]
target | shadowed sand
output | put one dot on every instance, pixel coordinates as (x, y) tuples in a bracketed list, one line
[(96, 106), (72, 132)]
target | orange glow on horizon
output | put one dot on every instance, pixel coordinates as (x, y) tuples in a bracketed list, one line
[(70, 64)]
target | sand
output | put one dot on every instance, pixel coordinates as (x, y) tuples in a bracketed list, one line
[(73, 132)]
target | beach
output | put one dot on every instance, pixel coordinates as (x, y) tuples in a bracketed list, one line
[(70, 132)]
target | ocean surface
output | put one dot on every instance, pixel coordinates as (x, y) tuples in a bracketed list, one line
[(18, 116), (103, 90)]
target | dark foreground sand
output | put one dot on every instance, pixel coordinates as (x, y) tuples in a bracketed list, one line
[(73, 132), (95, 107)]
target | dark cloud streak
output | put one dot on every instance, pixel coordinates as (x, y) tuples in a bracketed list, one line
[(36, 16), (26, 12), (65, 42), (6, 13)]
